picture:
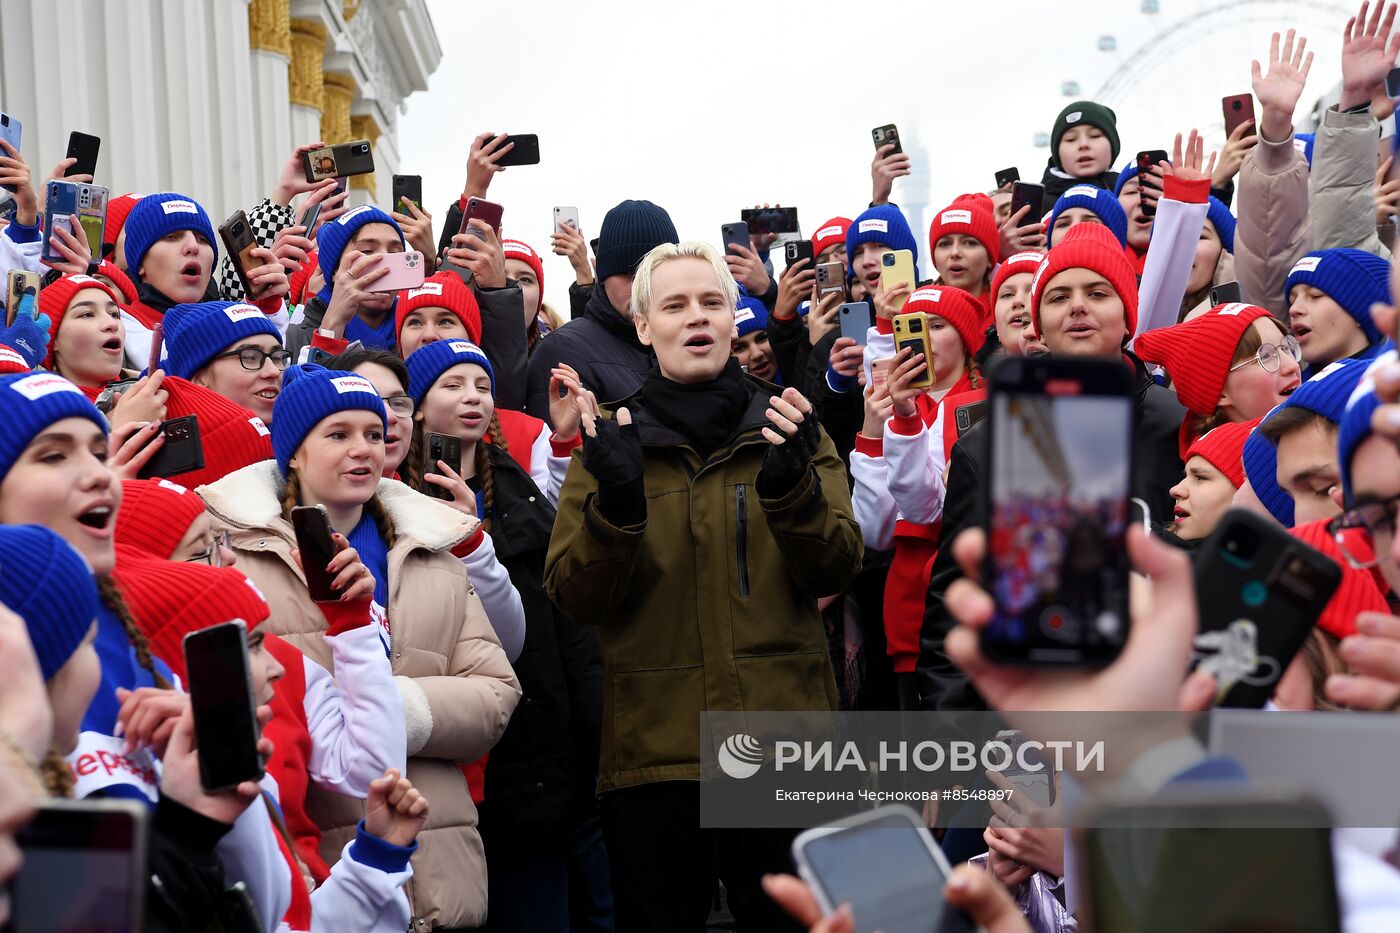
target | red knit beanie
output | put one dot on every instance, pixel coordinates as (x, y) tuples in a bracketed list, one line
[(117, 209), (232, 436), (516, 249), (1093, 247), (1222, 448), (829, 234), (11, 362), (956, 307), (443, 290), (972, 214), (155, 515), (1015, 264), (298, 280), (1358, 591), (1197, 354), (169, 599), (108, 270), (54, 300)]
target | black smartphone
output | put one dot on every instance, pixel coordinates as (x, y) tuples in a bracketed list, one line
[(526, 151), (84, 868), (1392, 83), (313, 534), (1060, 463), (444, 447), (408, 186), (338, 161), (181, 452), (887, 135), (1008, 176), (1146, 160), (237, 236), (220, 681), (798, 250), (83, 147), (770, 219), (308, 218), (969, 414), (734, 234), (1225, 293), (1023, 193), (1259, 591)]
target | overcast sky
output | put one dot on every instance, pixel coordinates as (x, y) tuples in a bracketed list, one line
[(707, 107)]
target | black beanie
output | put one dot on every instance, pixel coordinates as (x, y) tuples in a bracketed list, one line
[(1085, 111), (630, 231)]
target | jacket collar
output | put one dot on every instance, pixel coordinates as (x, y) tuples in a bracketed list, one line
[(601, 312), (655, 434), (249, 498)]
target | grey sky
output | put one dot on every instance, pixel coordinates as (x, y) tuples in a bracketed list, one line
[(709, 107)]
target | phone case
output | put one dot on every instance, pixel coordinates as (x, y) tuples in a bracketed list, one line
[(911, 332), (1008, 176), (798, 250), (1225, 293), (83, 147), (855, 321), (10, 132), (969, 414), (19, 280), (181, 452), (444, 447), (408, 186), (1237, 110), (736, 234), (566, 216), (92, 214), (313, 533), (487, 211), (896, 267), (237, 234), (406, 270), (339, 161), (157, 347), (308, 218), (1023, 193), (831, 278), (884, 135), (61, 204), (525, 152), (1260, 591), (222, 703)]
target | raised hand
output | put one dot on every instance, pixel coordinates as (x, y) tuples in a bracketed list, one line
[(1021, 231), (417, 226), (1368, 52), (907, 367), (395, 810), (747, 269), (480, 252), (487, 149), (884, 169), (1278, 90), (292, 181), (1237, 146), (1186, 163), (566, 412)]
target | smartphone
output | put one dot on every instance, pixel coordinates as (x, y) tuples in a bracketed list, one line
[(885, 135), (1037, 785), (798, 250), (1392, 83), (406, 270), (1023, 193), (880, 371), (1237, 109), (911, 333), (481, 209), (566, 217), (308, 218), (10, 132), (92, 214), (84, 868), (61, 204), (1146, 159), (1259, 591), (770, 219), (157, 346), (969, 414), (237, 236), (313, 534), (444, 447), (1060, 471), (220, 681), (408, 186), (181, 452), (82, 147), (16, 282), (1008, 176), (886, 865), (855, 320), (1225, 293), (896, 267), (734, 234), (1208, 859), (338, 161), (526, 151), (110, 393), (831, 279)]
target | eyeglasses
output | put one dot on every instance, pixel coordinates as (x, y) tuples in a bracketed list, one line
[(252, 358), (1365, 530), (1270, 355), (400, 405), (213, 555)]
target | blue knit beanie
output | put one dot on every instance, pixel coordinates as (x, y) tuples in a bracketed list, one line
[(47, 583), (332, 238), (629, 231), (1100, 201), (1303, 142), (1129, 172), (1353, 278), (1223, 221), (750, 315), (883, 224), (1355, 425), (196, 333), (29, 403), (158, 215), (310, 394), (431, 360), (1261, 466)]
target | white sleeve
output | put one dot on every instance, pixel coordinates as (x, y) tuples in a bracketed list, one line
[(539, 463), (878, 346), (1175, 233), (136, 342), (19, 256), (499, 597), (361, 897), (355, 719), (871, 501), (251, 854), (558, 469), (280, 320), (916, 464)]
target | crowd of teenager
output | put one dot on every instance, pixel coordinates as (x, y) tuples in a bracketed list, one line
[(686, 493)]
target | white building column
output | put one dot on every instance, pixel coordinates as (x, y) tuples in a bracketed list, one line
[(304, 76), (270, 44)]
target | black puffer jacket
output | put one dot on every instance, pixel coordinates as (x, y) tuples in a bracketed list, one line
[(1157, 468), (1057, 181)]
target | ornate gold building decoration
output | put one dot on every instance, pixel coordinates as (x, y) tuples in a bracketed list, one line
[(269, 26), (337, 91), (364, 126), (304, 79)]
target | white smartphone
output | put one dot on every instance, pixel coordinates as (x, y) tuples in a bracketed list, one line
[(566, 215), (885, 864)]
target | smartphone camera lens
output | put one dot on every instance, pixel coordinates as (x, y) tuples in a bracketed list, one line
[(888, 259), (1241, 546)]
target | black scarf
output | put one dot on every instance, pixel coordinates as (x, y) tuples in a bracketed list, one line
[(157, 300), (706, 414), (602, 311)]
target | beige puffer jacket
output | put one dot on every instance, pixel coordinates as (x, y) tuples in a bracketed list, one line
[(457, 686)]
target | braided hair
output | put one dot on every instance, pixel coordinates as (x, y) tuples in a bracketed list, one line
[(416, 464), (56, 774), (112, 599)]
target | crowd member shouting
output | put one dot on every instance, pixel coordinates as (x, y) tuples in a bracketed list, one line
[(1330, 294), (965, 247), (1214, 473)]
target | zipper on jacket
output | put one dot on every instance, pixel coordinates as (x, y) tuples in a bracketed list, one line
[(741, 535)]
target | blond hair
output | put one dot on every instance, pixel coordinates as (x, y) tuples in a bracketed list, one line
[(691, 249)]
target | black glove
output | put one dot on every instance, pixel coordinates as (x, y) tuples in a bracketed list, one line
[(785, 464), (614, 457)]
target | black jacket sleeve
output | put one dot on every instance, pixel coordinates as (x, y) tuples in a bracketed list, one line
[(578, 298), (790, 349), (452, 222), (942, 685), (186, 875), (504, 339)]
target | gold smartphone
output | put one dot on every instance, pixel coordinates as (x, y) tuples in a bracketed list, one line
[(911, 331), (898, 266)]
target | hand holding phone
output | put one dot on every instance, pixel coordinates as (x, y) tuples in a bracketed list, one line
[(226, 727), (481, 209), (734, 234), (182, 452), (1007, 176), (406, 270), (316, 549), (82, 147), (525, 150), (448, 449), (1238, 109), (1148, 184), (410, 187), (237, 235)]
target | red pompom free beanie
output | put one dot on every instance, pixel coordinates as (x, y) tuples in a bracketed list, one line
[(972, 214), (1093, 247), (956, 307)]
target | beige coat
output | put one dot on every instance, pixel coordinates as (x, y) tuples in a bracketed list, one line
[(458, 688)]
